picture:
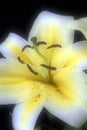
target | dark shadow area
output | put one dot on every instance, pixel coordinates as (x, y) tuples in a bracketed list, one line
[(48, 122), (19, 17), (6, 117), (78, 36)]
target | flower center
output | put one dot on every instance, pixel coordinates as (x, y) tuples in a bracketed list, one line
[(39, 63)]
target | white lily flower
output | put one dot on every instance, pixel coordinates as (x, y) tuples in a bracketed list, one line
[(45, 71)]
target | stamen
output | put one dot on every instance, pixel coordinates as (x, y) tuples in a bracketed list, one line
[(41, 43), (20, 60), (54, 45), (48, 67), (34, 72), (27, 46), (34, 39)]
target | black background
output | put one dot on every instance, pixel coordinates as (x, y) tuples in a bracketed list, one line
[(18, 17)]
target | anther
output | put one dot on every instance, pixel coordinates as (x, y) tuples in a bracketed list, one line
[(48, 67), (30, 68), (54, 45), (34, 39), (27, 46), (20, 60), (41, 43)]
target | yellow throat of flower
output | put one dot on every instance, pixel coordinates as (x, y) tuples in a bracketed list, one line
[(38, 61)]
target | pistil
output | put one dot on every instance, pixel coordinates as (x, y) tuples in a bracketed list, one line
[(35, 44)]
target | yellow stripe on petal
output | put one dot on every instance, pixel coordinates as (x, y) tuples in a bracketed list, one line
[(74, 114), (13, 68), (63, 98), (60, 57), (12, 47), (17, 82), (71, 86), (67, 99), (51, 29), (26, 114)]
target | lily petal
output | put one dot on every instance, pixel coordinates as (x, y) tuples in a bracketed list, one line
[(68, 99), (74, 116), (12, 46), (26, 114), (60, 57), (13, 68), (80, 24), (78, 56), (17, 90), (17, 86), (52, 29)]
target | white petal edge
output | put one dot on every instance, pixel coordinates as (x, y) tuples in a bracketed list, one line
[(81, 25), (74, 116), (17, 113), (9, 43), (76, 113), (76, 48), (46, 18)]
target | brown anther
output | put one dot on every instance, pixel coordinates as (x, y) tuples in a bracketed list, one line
[(34, 39), (27, 46), (48, 67), (41, 43), (20, 60), (54, 45), (30, 68)]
